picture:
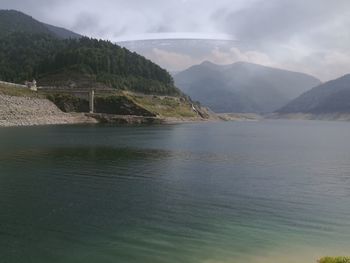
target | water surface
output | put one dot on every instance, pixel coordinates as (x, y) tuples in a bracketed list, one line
[(270, 191)]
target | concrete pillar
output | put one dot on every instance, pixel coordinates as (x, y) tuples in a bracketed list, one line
[(91, 100)]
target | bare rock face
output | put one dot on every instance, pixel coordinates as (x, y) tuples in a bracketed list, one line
[(26, 111)]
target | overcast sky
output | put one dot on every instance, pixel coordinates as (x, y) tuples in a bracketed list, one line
[(311, 36)]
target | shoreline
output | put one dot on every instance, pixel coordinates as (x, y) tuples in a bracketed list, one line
[(22, 107), (28, 112), (31, 109), (34, 111), (98, 118), (69, 119), (345, 117)]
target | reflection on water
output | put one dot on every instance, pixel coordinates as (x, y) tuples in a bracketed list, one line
[(215, 192)]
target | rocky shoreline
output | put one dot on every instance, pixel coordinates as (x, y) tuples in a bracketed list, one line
[(124, 119), (34, 111), (28, 111)]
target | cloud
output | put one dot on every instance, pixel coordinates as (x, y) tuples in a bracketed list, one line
[(311, 35), (86, 22), (175, 61), (171, 60), (234, 54), (134, 16), (325, 65), (279, 20)]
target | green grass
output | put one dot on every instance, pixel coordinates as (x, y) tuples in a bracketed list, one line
[(17, 91), (165, 106), (335, 260)]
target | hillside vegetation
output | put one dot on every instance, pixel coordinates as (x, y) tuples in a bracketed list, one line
[(335, 260), (30, 49), (10, 90), (128, 103), (14, 21), (23, 107)]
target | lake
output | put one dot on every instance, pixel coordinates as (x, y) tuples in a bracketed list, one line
[(220, 192)]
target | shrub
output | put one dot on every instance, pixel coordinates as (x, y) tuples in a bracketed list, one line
[(335, 260)]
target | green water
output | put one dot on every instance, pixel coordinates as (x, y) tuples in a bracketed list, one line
[(270, 191)]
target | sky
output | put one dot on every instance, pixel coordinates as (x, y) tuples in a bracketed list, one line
[(310, 36)]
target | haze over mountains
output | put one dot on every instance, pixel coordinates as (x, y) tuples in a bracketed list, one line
[(330, 97), (14, 21), (243, 87), (64, 63), (56, 56)]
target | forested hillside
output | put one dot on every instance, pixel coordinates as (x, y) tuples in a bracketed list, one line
[(15, 21), (28, 49)]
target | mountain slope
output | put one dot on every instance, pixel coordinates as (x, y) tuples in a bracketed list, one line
[(330, 97), (61, 32), (15, 21), (243, 87), (30, 49)]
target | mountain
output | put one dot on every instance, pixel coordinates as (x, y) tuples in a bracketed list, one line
[(242, 87), (15, 21), (330, 97), (61, 32), (196, 49), (30, 49)]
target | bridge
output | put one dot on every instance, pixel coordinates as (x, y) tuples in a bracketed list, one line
[(88, 94)]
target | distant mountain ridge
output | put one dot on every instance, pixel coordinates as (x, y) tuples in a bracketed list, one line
[(62, 32), (330, 97), (243, 87), (15, 21)]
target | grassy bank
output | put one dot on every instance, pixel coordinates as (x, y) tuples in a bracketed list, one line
[(18, 92), (165, 106), (118, 103), (335, 260), (127, 103)]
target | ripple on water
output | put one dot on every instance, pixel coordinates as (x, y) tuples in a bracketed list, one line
[(255, 193)]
